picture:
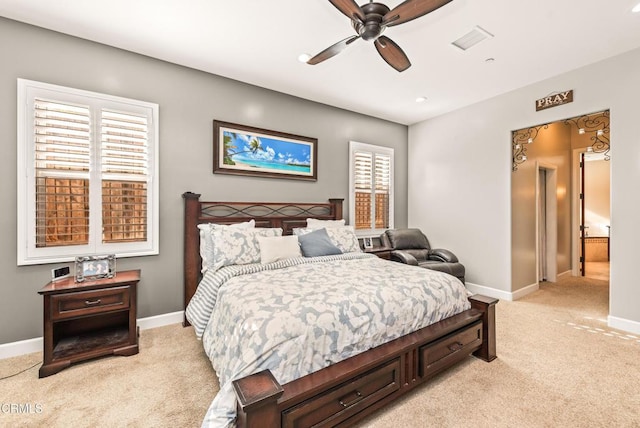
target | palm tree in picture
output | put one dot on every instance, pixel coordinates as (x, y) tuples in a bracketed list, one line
[(255, 145)]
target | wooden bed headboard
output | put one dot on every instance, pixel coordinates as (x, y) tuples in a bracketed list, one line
[(286, 215)]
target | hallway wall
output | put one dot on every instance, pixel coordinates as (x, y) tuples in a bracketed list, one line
[(460, 178)]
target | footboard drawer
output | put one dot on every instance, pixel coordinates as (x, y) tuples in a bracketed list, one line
[(440, 354), (345, 400)]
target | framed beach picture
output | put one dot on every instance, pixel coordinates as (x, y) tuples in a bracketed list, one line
[(244, 150)]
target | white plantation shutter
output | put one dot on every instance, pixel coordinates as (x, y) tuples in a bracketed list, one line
[(62, 159), (382, 190), (363, 187), (87, 174), (371, 185), (125, 173), (124, 146)]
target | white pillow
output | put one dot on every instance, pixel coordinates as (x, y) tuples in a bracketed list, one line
[(235, 246), (277, 248), (314, 223), (206, 242)]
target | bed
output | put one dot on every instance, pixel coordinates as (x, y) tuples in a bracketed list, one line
[(328, 389)]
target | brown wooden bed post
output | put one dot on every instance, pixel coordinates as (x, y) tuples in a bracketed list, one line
[(191, 255), (258, 396), (337, 208), (487, 305)]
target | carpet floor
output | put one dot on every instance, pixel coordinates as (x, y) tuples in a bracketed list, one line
[(558, 365)]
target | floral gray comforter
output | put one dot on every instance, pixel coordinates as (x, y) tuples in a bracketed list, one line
[(300, 315)]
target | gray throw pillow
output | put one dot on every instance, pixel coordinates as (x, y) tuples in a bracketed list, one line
[(317, 243)]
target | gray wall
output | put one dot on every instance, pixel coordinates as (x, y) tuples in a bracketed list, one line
[(460, 175), (189, 101)]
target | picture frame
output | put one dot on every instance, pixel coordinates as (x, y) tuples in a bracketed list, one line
[(246, 150), (95, 267), (367, 242)]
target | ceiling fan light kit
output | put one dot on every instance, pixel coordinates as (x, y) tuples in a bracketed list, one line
[(371, 19)]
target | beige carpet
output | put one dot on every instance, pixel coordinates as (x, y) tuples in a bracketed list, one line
[(558, 365)]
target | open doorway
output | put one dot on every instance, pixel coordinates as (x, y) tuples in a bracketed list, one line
[(539, 153), (594, 215)]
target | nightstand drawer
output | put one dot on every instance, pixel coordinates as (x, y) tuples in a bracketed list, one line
[(89, 302)]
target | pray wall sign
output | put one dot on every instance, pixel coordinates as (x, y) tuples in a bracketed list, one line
[(554, 100)]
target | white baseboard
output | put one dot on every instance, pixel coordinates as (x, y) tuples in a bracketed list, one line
[(22, 347), (14, 349), (623, 324), (501, 294), (160, 320), (565, 273)]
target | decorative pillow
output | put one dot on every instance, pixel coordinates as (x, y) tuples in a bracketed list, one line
[(343, 237), (206, 242), (277, 248), (234, 246), (317, 243), (313, 223)]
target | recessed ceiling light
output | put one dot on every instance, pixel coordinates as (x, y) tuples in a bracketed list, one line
[(421, 99), (636, 8), (304, 57)]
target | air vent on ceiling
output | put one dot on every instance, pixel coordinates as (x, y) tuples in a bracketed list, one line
[(472, 38)]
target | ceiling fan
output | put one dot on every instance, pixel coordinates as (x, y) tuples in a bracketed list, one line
[(371, 19)]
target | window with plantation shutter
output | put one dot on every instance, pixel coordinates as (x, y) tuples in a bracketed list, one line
[(62, 159), (125, 161), (87, 174), (371, 183)]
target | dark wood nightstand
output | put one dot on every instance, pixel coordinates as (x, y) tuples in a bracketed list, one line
[(382, 252), (88, 320)]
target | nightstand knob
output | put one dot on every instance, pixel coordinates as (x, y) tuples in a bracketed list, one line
[(92, 302)]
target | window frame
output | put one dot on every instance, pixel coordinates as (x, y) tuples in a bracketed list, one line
[(27, 252), (354, 147)]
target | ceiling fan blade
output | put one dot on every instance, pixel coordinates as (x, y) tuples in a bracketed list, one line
[(332, 50), (411, 9), (392, 54), (349, 8)]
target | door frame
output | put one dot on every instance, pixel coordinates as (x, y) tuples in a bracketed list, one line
[(575, 210), (551, 229)]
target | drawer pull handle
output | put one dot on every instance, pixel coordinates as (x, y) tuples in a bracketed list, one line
[(92, 302), (455, 347), (354, 401)]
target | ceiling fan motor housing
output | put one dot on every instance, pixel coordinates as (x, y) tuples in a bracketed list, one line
[(372, 26)]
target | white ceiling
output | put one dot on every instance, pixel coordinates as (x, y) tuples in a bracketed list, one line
[(259, 41)]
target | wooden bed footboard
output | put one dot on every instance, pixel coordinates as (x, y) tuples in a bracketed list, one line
[(346, 392)]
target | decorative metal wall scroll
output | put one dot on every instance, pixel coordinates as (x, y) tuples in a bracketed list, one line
[(519, 141), (596, 124)]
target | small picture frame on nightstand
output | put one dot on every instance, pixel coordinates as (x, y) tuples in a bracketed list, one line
[(95, 267), (368, 242)]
